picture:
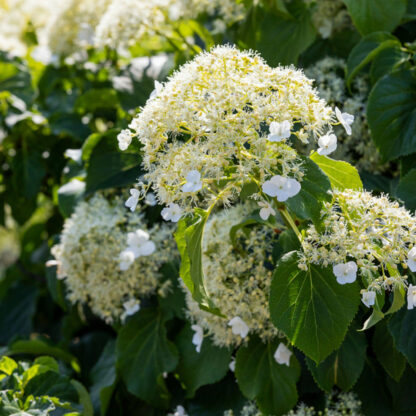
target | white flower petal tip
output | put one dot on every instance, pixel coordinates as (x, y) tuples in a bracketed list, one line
[(266, 210), (411, 296), (282, 188), (345, 119), (193, 182), (368, 298), (51, 263), (180, 411), (327, 144), (239, 327), (198, 337), (131, 307), (279, 131), (126, 259), (124, 139), (156, 91), (283, 354), (172, 212), (411, 259), (345, 272), (133, 200), (231, 366), (139, 243)]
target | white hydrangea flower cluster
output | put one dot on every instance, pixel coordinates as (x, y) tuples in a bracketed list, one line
[(109, 258), (357, 148), (222, 120), (126, 22), (237, 283), (367, 234)]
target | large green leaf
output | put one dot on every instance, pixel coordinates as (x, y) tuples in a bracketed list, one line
[(143, 354), (307, 204), (406, 189), (402, 327), (69, 195), (376, 15), (341, 174), (199, 369), (343, 367), (388, 60), (391, 114), (260, 377), (388, 356), (311, 307)]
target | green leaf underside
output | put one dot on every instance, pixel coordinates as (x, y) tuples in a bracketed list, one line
[(406, 189), (311, 307)]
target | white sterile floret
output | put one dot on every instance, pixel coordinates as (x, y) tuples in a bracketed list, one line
[(212, 114), (124, 139), (411, 296), (231, 366), (193, 182), (266, 210), (131, 307), (237, 283), (239, 327), (150, 199), (282, 188), (198, 337), (172, 212), (106, 258), (345, 119), (345, 273), (368, 297), (279, 131), (283, 354), (133, 200), (411, 259), (327, 144)]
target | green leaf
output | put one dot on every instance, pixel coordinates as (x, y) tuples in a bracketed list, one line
[(376, 15), (97, 99), (188, 238), (260, 377), (311, 307), (69, 195), (199, 369), (406, 190), (388, 356), (343, 367), (388, 60), (402, 327), (143, 354), (341, 174), (7, 365), (107, 165), (307, 204), (391, 114), (367, 50), (84, 398)]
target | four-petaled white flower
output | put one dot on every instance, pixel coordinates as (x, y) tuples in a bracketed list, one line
[(282, 354), (411, 259), (238, 327), (411, 296), (198, 337), (280, 187), (150, 199), (139, 243), (131, 307), (279, 131), (156, 91), (231, 366), (368, 297), (126, 259), (327, 144), (266, 210), (345, 272), (124, 139), (172, 212), (345, 119), (193, 182), (133, 200)]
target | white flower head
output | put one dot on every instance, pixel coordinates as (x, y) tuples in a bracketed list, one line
[(124, 139), (150, 199), (131, 307), (327, 144), (198, 337), (231, 366), (345, 119), (157, 90), (411, 296), (411, 259), (280, 187), (266, 210), (133, 200), (345, 272), (193, 182), (239, 327), (368, 298), (283, 354), (172, 212), (139, 243), (126, 259), (279, 131)]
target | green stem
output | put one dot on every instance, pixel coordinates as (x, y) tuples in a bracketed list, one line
[(289, 220)]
